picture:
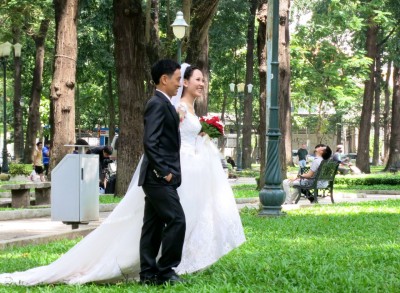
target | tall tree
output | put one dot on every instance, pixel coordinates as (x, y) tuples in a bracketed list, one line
[(18, 117), (262, 72), (377, 108), (362, 160), (153, 44), (394, 152), (285, 125), (248, 101), (131, 73), (62, 95), (34, 124), (386, 113)]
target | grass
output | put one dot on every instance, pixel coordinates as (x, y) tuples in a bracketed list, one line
[(325, 248), (109, 198), (245, 191)]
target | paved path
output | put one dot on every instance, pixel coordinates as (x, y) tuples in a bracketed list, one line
[(34, 226)]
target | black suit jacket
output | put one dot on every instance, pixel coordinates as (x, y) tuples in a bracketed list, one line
[(161, 142)]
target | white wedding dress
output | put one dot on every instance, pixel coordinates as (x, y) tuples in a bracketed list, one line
[(111, 252)]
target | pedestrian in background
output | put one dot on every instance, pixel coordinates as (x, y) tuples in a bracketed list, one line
[(46, 157), (37, 160), (302, 153)]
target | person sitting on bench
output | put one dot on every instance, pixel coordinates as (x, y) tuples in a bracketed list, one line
[(344, 165), (322, 152)]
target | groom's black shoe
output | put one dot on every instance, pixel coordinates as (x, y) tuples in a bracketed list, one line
[(172, 280), (153, 280)]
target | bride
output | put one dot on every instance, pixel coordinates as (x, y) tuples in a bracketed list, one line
[(213, 227)]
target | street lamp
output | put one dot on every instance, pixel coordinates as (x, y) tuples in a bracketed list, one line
[(240, 88), (179, 29), (5, 50), (272, 196)]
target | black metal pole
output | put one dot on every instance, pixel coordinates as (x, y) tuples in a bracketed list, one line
[(4, 165), (179, 51), (272, 195)]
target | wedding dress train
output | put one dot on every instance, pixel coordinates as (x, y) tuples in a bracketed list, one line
[(111, 252)]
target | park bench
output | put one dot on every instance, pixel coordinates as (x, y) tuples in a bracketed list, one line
[(20, 193), (395, 167), (325, 173)]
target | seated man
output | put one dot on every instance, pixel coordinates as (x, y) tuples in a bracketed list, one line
[(343, 164), (322, 152)]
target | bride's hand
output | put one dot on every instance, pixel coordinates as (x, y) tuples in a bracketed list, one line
[(181, 112), (202, 133)]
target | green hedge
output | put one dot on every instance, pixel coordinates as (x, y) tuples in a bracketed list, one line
[(375, 180), (20, 169)]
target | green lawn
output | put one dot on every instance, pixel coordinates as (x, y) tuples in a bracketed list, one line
[(325, 248)]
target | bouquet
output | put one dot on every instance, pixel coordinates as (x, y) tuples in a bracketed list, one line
[(212, 125)]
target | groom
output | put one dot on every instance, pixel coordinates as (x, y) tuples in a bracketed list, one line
[(160, 175)]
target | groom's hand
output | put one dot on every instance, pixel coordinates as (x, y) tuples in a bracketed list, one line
[(168, 177)]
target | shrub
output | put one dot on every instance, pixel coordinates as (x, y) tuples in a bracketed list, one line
[(4, 177), (375, 180), (20, 169)]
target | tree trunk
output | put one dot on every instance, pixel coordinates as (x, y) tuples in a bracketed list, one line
[(111, 108), (386, 114), (203, 12), (131, 72), (262, 72), (339, 130), (153, 44), (18, 118), (285, 125), (394, 152), (222, 140), (362, 161), (248, 101), (186, 6), (33, 125), (148, 20), (62, 91), (238, 115), (378, 79)]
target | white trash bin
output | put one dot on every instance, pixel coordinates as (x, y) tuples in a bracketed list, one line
[(75, 190)]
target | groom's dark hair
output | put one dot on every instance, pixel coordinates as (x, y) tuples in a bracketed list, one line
[(161, 67)]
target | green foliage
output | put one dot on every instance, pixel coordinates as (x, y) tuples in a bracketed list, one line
[(20, 169), (228, 57), (211, 130), (4, 177), (95, 63), (327, 69)]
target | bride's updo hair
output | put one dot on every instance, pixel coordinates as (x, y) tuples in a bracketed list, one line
[(189, 71)]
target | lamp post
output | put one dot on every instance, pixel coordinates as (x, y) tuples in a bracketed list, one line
[(272, 196), (240, 89), (5, 50), (179, 29)]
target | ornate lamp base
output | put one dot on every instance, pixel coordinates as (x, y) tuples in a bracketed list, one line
[(271, 200)]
